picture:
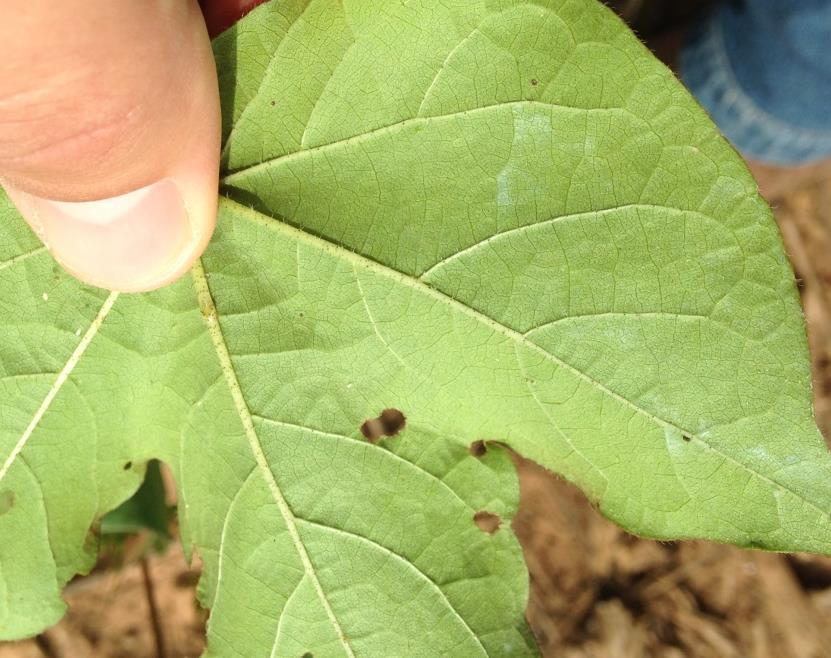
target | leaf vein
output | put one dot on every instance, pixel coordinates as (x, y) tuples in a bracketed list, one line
[(224, 533), (208, 309), (636, 314), (419, 573), (283, 616), (231, 176), (60, 380), (553, 220), (21, 257), (388, 453), (256, 94), (513, 335)]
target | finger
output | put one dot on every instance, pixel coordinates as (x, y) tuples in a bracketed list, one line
[(221, 14), (109, 134)]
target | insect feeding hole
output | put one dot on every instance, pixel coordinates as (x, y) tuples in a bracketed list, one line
[(389, 423)]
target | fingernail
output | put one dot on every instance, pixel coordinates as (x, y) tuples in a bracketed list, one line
[(133, 242)]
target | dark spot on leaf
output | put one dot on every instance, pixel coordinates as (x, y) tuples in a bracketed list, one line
[(128, 466), (487, 521), (6, 501), (389, 423), (300, 314), (372, 430), (756, 543), (686, 437), (308, 654), (478, 448), (273, 103), (393, 421), (534, 82)]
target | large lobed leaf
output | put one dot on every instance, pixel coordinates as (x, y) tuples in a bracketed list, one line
[(504, 219)]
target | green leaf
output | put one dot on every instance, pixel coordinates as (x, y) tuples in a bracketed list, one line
[(503, 219)]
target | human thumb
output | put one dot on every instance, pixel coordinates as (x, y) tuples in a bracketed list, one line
[(109, 134)]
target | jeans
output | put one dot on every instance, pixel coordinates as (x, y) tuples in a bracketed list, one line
[(762, 69)]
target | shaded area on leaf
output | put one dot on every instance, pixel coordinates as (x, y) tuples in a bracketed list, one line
[(6, 500)]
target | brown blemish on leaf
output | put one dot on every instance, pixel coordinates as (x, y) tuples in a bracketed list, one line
[(372, 430), (487, 521), (389, 423), (478, 448), (393, 421), (128, 466), (6, 501), (534, 82), (686, 437)]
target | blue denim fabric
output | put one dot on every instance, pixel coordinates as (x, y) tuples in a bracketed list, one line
[(762, 69)]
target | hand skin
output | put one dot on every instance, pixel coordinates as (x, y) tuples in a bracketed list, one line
[(110, 131)]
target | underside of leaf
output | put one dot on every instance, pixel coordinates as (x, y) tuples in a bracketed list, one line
[(495, 222)]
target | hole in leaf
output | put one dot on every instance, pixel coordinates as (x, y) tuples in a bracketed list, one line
[(372, 430), (389, 423), (6, 501), (478, 448), (393, 421), (128, 466), (487, 521)]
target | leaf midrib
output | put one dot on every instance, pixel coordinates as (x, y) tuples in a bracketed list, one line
[(385, 270), (209, 313)]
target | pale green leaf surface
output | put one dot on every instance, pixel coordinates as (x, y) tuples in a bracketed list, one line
[(504, 219)]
